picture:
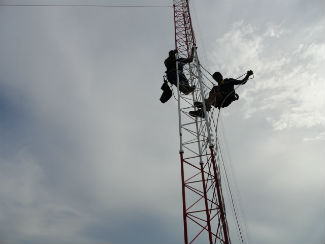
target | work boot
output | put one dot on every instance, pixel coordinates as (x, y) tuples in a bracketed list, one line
[(197, 113), (200, 105), (186, 89)]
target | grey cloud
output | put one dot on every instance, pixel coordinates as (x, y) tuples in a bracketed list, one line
[(89, 153)]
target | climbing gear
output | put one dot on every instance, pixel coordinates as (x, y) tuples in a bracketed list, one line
[(200, 105), (186, 89), (167, 92), (197, 113), (228, 99)]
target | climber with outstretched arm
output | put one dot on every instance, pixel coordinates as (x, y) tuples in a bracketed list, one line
[(221, 95)]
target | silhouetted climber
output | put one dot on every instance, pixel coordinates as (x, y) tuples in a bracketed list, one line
[(222, 95), (171, 72)]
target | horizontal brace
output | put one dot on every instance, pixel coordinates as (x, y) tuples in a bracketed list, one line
[(198, 168), (203, 155), (192, 142), (189, 123), (203, 220), (197, 181), (199, 211)]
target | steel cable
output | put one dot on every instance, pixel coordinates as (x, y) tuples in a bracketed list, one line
[(85, 5)]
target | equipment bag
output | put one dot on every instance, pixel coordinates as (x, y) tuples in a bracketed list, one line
[(167, 92)]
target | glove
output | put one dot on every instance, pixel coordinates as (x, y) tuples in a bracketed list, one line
[(250, 72)]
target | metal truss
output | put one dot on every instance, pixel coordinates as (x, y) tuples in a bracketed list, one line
[(204, 213)]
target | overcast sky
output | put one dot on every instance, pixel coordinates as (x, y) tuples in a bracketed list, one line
[(88, 154)]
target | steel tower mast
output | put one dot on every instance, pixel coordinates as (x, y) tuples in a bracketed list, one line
[(204, 213)]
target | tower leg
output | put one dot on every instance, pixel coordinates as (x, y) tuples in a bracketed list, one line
[(206, 204), (220, 200), (184, 200)]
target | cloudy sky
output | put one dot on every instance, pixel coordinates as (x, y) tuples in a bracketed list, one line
[(88, 154)]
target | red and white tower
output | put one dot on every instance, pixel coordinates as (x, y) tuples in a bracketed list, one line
[(204, 213)]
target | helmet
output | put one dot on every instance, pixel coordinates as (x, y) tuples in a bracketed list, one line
[(172, 52), (217, 76)]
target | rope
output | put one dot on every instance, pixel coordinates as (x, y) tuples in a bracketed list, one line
[(223, 101), (218, 150), (206, 70), (85, 5), (234, 185), (221, 157), (217, 143), (231, 196), (182, 97), (227, 97)]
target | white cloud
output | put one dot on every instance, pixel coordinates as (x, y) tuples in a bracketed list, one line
[(275, 31), (320, 136), (101, 143), (289, 82)]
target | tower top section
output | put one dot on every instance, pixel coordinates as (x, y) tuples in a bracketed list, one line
[(184, 34)]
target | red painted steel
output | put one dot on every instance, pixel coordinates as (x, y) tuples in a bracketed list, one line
[(204, 213), (206, 204), (184, 35), (222, 208), (184, 202)]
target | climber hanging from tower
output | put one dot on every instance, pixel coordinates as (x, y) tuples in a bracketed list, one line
[(222, 95), (171, 72)]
